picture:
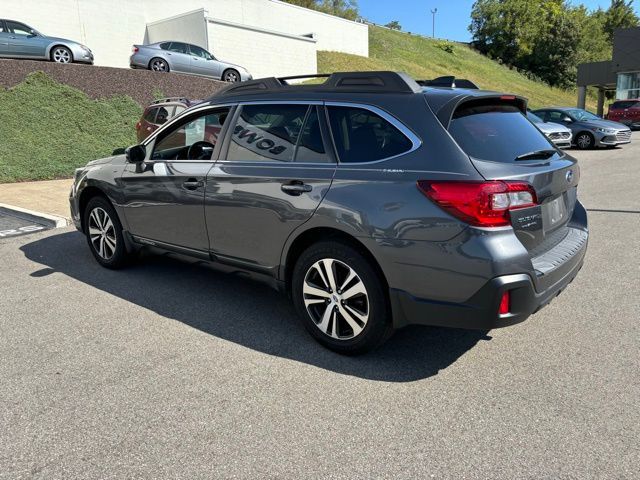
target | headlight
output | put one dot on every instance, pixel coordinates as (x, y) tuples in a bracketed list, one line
[(85, 48), (606, 131)]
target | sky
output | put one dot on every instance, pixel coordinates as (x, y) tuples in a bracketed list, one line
[(452, 17)]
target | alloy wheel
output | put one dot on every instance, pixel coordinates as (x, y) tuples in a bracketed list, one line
[(584, 141), (336, 299), (61, 55), (159, 65), (102, 233), (231, 77)]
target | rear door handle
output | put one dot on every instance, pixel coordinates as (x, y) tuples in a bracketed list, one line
[(192, 184), (295, 188)]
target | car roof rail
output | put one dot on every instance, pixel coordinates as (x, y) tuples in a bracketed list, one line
[(170, 99), (449, 82), (356, 82)]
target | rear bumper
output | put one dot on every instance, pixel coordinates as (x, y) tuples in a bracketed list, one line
[(481, 310)]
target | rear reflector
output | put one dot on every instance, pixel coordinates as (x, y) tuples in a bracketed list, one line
[(482, 204), (505, 303)]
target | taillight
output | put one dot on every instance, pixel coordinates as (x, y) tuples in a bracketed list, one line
[(138, 125), (135, 49), (505, 303), (483, 204)]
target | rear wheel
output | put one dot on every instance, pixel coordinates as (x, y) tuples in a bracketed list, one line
[(104, 233), (231, 76), (340, 298), (61, 55), (585, 141), (158, 65)]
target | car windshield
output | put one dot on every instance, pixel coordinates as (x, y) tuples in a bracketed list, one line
[(534, 118), (498, 132), (581, 115)]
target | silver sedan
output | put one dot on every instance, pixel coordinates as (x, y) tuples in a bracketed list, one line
[(18, 40), (183, 57)]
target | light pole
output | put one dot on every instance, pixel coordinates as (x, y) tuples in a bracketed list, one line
[(433, 22)]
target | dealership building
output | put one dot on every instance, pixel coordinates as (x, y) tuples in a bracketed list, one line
[(268, 37), (621, 74)]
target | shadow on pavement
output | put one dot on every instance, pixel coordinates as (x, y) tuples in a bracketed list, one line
[(245, 312)]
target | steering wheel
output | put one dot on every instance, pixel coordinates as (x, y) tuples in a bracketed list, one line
[(200, 151)]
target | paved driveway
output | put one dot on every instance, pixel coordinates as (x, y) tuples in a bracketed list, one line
[(169, 369)]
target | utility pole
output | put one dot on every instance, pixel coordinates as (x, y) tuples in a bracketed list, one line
[(433, 22)]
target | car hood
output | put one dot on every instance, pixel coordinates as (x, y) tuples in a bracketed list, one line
[(115, 159), (551, 127), (64, 40), (603, 124)]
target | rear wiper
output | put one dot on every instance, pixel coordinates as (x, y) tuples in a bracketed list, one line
[(536, 155)]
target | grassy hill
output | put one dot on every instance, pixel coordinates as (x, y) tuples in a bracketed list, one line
[(48, 129), (426, 58)]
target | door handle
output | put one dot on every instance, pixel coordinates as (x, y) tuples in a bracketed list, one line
[(192, 184), (295, 188)]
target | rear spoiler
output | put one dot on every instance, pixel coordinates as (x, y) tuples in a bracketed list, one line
[(448, 82), (445, 112)]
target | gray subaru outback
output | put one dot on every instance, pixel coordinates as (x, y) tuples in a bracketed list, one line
[(371, 200)]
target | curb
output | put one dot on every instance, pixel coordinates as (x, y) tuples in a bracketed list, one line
[(45, 219)]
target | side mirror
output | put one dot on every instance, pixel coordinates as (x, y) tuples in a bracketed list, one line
[(33, 33), (136, 154)]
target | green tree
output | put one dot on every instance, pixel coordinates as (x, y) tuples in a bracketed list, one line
[(620, 14), (341, 8), (394, 25)]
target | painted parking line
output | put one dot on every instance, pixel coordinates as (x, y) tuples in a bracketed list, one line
[(11, 226)]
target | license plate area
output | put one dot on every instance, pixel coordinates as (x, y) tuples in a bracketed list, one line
[(554, 213)]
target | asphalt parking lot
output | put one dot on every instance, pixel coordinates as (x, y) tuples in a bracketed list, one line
[(169, 369)]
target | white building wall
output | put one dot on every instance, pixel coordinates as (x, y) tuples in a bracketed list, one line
[(111, 27), (188, 27), (263, 53)]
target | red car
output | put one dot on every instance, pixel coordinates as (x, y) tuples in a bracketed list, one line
[(159, 112), (625, 111)]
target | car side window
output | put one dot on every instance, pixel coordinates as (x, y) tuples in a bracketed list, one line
[(361, 135), (2, 27), (19, 28), (165, 45), (266, 133), (555, 116), (203, 129), (150, 115), (178, 47), (310, 148), (199, 52)]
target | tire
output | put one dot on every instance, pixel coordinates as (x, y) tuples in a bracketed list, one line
[(157, 64), (585, 141), (104, 233), (324, 311), (231, 76), (61, 54)]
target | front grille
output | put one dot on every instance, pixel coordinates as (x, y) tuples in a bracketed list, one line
[(559, 135), (623, 136)]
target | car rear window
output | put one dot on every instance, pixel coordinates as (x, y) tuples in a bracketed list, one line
[(150, 115), (495, 131)]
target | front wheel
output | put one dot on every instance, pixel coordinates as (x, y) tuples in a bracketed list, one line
[(104, 233), (231, 76), (61, 55), (340, 298), (585, 141)]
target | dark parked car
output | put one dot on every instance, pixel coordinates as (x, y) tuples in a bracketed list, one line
[(589, 130), (185, 58), (372, 201), (160, 112), (18, 40), (626, 112)]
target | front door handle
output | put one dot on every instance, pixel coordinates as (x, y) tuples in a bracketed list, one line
[(192, 184), (295, 188)]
